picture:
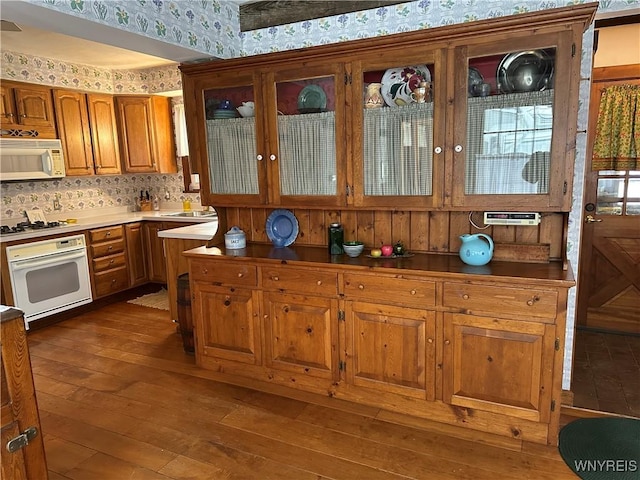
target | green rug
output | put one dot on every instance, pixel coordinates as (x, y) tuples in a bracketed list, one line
[(602, 448)]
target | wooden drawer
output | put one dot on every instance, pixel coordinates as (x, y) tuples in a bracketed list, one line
[(111, 281), (107, 233), (386, 289), (107, 248), (500, 300), (222, 273), (300, 280), (108, 262)]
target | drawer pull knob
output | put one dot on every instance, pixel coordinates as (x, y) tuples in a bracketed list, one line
[(110, 247), (110, 262), (465, 296), (447, 342), (361, 287), (108, 233), (413, 292), (430, 340), (533, 300), (319, 282), (240, 275), (275, 278)]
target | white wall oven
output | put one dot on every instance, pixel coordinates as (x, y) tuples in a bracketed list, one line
[(49, 276)]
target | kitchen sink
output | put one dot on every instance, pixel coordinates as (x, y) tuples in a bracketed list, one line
[(195, 213)]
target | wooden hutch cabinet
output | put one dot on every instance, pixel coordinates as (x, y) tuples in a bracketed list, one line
[(494, 129)]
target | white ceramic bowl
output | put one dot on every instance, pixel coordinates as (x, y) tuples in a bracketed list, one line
[(353, 249), (246, 111)]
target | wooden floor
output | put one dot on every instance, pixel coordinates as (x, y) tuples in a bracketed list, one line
[(119, 399)]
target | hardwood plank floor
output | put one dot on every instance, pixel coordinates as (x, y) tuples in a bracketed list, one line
[(119, 398)]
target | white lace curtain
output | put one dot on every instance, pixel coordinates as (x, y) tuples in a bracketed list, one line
[(231, 148), (509, 143), (398, 146), (307, 154)]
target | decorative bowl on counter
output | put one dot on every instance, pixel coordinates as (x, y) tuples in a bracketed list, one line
[(353, 249)]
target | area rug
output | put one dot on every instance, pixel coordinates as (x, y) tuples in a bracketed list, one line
[(159, 300), (602, 448)]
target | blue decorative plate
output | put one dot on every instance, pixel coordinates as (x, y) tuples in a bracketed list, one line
[(282, 227), (312, 99)]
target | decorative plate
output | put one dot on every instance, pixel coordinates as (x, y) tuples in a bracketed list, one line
[(475, 78), (527, 71), (398, 83), (312, 99), (282, 227)]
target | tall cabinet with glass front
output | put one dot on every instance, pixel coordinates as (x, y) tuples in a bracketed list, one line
[(271, 136), (510, 138), (398, 103)]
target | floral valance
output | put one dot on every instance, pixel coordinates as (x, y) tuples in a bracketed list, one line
[(617, 141)]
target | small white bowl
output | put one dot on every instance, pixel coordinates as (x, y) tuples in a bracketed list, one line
[(353, 249), (246, 111)]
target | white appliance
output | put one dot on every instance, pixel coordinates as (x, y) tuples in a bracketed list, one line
[(49, 276), (30, 159)]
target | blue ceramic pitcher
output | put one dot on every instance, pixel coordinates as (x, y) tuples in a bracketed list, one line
[(476, 249)]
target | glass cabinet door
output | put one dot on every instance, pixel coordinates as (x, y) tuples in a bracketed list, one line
[(507, 143), (234, 141), (306, 136), (397, 135)]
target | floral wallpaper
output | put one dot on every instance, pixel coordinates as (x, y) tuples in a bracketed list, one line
[(212, 27)]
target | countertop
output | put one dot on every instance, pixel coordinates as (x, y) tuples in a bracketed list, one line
[(438, 265), (197, 231), (88, 220)]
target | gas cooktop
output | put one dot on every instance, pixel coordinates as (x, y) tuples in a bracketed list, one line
[(27, 226)]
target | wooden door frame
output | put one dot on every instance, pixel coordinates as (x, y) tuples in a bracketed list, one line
[(601, 78)]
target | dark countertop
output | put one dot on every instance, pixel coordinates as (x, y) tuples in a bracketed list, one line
[(437, 265)]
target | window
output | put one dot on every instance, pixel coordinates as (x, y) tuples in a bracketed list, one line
[(618, 192)]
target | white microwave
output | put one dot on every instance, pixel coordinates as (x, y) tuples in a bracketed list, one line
[(30, 159)]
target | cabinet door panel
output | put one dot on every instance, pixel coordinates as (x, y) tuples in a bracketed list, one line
[(73, 128), (301, 334), (136, 257), (104, 134), (8, 114), (35, 106), (391, 349), (136, 136), (227, 324), (501, 366)]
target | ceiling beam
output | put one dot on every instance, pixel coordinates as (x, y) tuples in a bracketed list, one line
[(264, 14)]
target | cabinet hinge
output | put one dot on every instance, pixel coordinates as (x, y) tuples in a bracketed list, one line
[(348, 190), (22, 440), (557, 345), (553, 405), (341, 315), (564, 188), (342, 366), (573, 50)]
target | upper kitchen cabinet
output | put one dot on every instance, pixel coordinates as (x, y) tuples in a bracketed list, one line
[(27, 110), (398, 128), (146, 134), (514, 120), (475, 116), (87, 129), (289, 149)]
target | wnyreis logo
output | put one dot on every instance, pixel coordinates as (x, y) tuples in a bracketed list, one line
[(606, 465)]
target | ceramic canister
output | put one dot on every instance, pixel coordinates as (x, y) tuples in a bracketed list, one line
[(235, 238)]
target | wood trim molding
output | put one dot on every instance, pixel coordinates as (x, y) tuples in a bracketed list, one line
[(616, 72)]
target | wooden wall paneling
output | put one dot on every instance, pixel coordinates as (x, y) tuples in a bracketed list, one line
[(317, 233), (438, 231), (504, 233), (527, 234), (303, 226), (401, 227), (555, 231), (350, 224), (419, 241), (458, 225), (233, 218), (244, 221), (382, 228), (258, 222), (365, 228)]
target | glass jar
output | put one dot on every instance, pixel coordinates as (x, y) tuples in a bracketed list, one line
[(336, 239)]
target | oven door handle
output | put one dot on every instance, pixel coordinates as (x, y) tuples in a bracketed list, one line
[(24, 264)]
